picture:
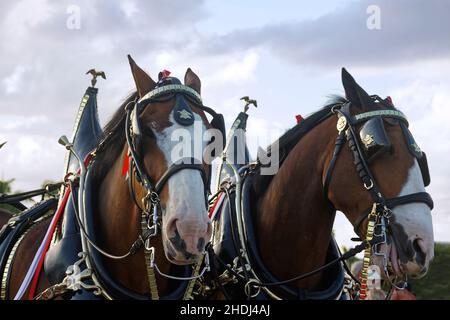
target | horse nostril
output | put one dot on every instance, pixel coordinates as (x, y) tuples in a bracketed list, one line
[(172, 228), (419, 248)]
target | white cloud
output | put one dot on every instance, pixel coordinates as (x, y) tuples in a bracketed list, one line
[(12, 82), (30, 160), (19, 122), (129, 7), (236, 70), (25, 15)]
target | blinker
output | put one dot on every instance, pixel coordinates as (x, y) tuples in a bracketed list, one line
[(374, 138), (182, 112)]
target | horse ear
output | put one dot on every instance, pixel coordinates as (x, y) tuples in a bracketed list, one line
[(192, 80), (353, 92), (144, 83)]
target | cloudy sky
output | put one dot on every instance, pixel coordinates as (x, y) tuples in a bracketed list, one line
[(286, 54)]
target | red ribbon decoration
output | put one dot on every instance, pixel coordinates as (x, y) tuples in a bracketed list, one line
[(126, 163), (388, 98), (163, 74)]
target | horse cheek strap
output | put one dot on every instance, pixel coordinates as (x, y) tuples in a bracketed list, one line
[(135, 127), (423, 164)]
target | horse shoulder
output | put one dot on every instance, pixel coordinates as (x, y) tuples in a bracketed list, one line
[(24, 256), (4, 217)]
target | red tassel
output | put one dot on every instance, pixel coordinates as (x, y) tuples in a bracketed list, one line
[(163, 74), (126, 163), (388, 98), (299, 118)]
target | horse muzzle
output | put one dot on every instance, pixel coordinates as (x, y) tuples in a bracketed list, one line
[(185, 241)]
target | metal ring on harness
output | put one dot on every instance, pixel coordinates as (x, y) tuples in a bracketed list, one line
[(249, 286)]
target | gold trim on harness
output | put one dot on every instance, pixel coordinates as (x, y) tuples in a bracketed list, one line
[(171, 88), (383, 113)]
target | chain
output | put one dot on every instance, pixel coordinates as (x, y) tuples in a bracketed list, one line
[(372, 219), (188, 294), (52, 292), (149, 254)]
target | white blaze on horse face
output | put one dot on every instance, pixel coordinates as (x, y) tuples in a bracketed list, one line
[(415, 218), (185, 224)]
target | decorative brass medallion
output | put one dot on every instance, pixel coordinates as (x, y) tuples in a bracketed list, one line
[(368, 140), (341, 124)]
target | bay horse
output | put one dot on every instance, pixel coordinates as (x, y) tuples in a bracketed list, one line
[(288, 217), (147, 145)]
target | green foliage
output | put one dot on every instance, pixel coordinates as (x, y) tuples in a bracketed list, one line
[(5, 186), (352, 260), (436, 284)]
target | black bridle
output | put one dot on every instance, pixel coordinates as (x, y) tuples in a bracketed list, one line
[(379, 213), (170, 87), (347, 133)]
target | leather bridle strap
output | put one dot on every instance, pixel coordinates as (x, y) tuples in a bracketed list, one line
[(362, 168), (340, 141), (419, 197), (423, 197), (140, 173), (186, 163), (346, 129)]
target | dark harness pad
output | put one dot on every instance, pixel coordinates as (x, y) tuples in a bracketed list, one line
[(224, 247), (182, 112), (87, 131)]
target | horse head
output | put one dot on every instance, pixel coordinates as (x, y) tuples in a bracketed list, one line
[(170, 126), (389, 180)]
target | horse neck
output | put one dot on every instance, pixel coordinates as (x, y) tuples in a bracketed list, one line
[(119, 225), (293, 220)]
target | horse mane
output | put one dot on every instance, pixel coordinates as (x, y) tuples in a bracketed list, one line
[(291, 137), (115, 128)]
